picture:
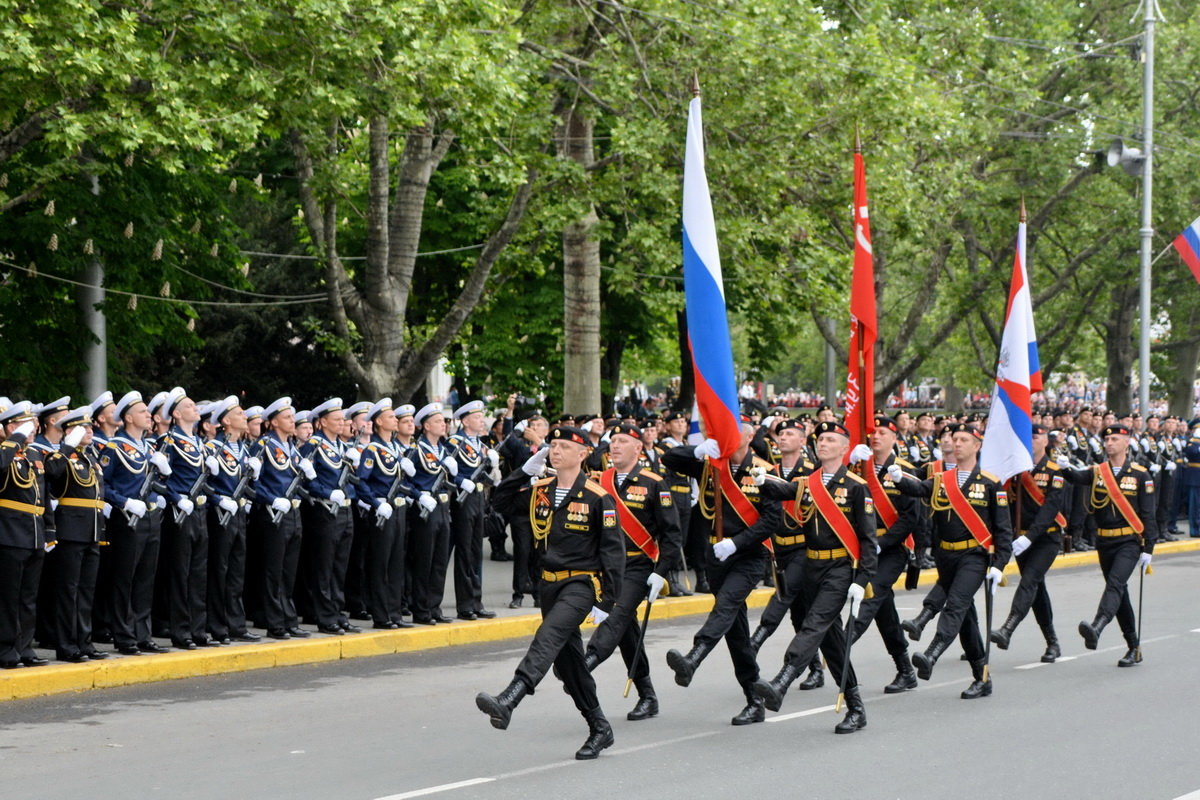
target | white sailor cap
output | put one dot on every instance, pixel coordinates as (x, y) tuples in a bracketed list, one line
[(428, 411), (469, 408), (127, 401), (17, 412), (361, 407), (76, 416), (254, 412), (156, 403), (174, 398), (102, 401), (406, 410), (4, 403), (378, 408), (53, 407), (328, 407), (303, 416), (220, 408), (282, 404)]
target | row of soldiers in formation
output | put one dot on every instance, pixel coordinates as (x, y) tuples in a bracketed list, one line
[(835, 525)]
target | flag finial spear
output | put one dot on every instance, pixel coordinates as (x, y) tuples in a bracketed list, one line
[(695, 87), (1023, 215), (857, 139)]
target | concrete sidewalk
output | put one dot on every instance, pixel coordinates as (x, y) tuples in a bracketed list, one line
[(120, 670)]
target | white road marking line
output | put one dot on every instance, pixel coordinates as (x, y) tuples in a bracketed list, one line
[(1195, 630), (445, 787), (798, 714), (1037, 664), (1190, 795), (652, 745)]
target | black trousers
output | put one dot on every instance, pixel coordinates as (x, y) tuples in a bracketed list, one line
[(75, 568), (731, 582), (328, 538), (1117, 563), (187, 584), (1031, 592), (280, 561), (357, 583), (466, 537), (892, 563), (683, 505), (20, 572), (134, 562), (621, 628), (788, 597), (226, 575), (557, 641), (385, 566), (695, 535), (960, 574), (527, 559), (826, 582), (1163, 508), (429, 546)]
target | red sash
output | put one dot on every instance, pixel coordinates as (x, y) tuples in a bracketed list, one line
[(883, 503), (632, 526), (829, 510), (1031, 488), (965, 511), (1119, 499), (732, 491)]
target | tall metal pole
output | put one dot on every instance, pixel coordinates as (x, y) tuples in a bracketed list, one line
[(95, 349), (1147, 229), (830, 372)]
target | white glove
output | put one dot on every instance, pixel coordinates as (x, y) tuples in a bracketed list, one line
[(53, 504), (426, 501), (160, 461), (656, 583), (479, 487), (597, 615), (135, 508), (1020, 545), (536, 463), (709, 448), (860, 453), (74, 436), (353, 456), (186, 506), (1072, 442), (759, 474), (306, 466), (451, 466), (106, 511), (255, 464), (937, 454), (895, 473), (281, 504), (227, 504), (724, 549), (855, 595), (768, 422), (914, 453), (337, 496), (493, 458), (365, 506), (214, 466), (159, 503), (26, 428), (383, 511), (520, 426), (1172, 466), (467, 485), (407, 466), (1143, 561), (994, 576), (1155, 469)]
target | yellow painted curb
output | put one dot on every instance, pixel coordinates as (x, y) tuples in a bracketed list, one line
[(60, 678)]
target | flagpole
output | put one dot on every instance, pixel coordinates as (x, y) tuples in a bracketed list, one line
[(861, 410)]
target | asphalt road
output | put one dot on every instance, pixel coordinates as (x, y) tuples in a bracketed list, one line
[(406, 725)]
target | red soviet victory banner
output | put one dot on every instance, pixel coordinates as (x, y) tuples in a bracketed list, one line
[(860, 378)]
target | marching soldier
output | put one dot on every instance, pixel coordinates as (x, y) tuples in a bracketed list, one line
[(467, 515), (646, 511), (79, 521), (739, 519), (575, 527), (935, 598), (527, 438), (695, 539), (1041, 499), (972, 533), (898, 518), (839, 532), (1121, 496)]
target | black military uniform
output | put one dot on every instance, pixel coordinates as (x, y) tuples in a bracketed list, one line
[(1121, 547), (514, 452), (1041, 501), (583, 558), (647, 499), (733, 578)]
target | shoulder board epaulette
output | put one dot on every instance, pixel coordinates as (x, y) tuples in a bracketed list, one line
[(313, 440), (855, 477), (760, 462), (543, 482), (1139, 468), (904, 464), (651, 474), (1052, 465), (984, 473), (595, 488)]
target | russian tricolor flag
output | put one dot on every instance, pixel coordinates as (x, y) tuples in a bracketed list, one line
[(1188, 245), (708, 326), (1008, 445)]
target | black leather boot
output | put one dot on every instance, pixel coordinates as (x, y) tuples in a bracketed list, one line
[(600, 735), (757, 638), (772, 691), (914, 626), (685, 666), (980, 687), (816, 676), (752, 713), (647, 704), (1002, 635), (500, 707), (677, 584), (702, 586), (1091, 633), (1053, 651), (856, 712), (1133, 656), (924, 661), (906, 677)]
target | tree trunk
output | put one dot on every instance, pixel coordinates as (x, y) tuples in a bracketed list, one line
[(581, 280), (1185, 358), (610, 373), (1119, 347)]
